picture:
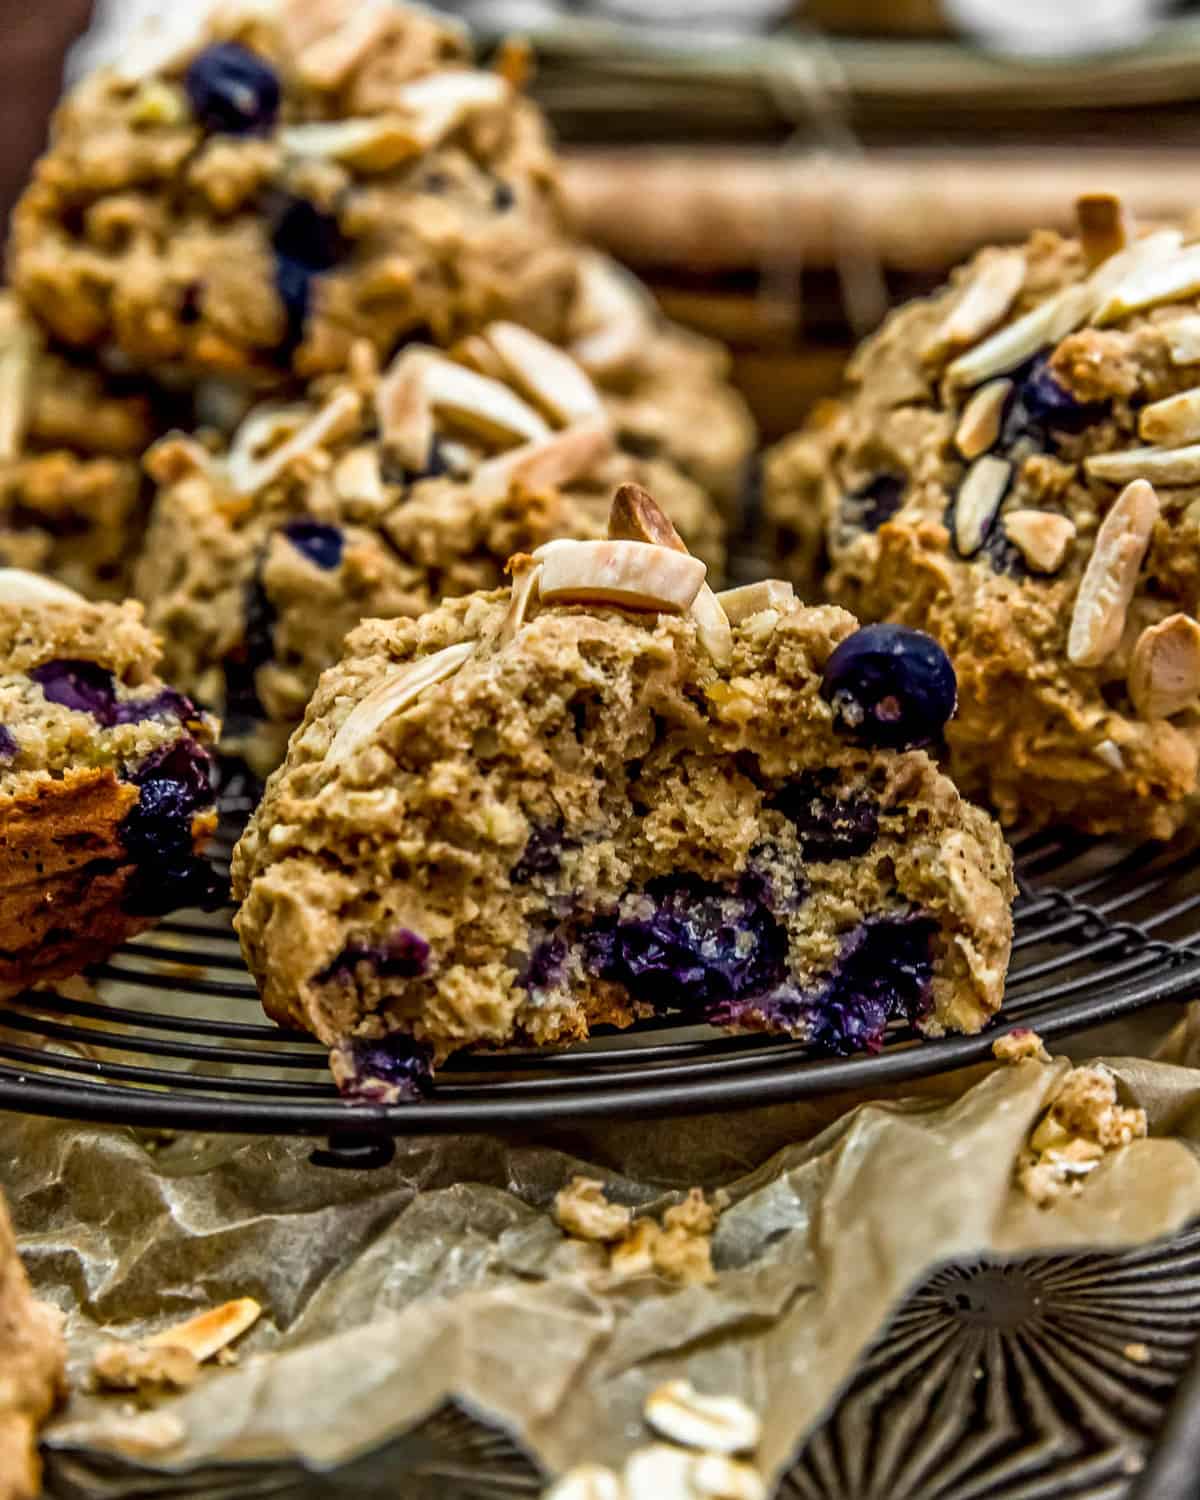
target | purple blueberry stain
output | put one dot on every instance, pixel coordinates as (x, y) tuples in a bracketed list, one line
[(404, 954), (690, 944), (9, 749), (547, 964), (890, 686), (320, 543), (243, 706), (542, 854), (827, 827), (175, 783), (232, 91), (883, 974), (389, 1070), (89, 688)]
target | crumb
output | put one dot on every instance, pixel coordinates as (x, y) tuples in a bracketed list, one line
[(228, 1357), (634, 1256), (582, 1210), (1138, 1353), (1019, 1045), (135, 1367), (684, 1257), (1082, 1123), (695, 1215)]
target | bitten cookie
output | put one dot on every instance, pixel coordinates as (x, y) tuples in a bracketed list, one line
[(32, 1370), (105, 783), (1016, 469), (606, 792), (72, 499), (250, 190), (377, 498)]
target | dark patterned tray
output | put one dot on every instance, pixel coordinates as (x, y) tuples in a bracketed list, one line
[(1045, 1378)]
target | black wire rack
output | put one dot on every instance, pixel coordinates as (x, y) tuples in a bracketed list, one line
[(172, 1036)]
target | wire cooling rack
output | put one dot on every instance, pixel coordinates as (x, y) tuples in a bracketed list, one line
[(173, 1036)]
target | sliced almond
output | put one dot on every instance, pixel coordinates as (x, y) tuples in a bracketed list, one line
[(1041, 537), (713, 629), (752, 598), (1166, 466), (659, 1472), (440, 103), (1111, 576), (979, 498), (1161, 281), (615, 316), (375, 143), (715, 1424), (524, 591), (1104, 226), (397, 691), (715, 1477), (1164, 673), (477, 354), (325, 62), (1012, 345), (630, 575), (979, 426), (249, 474), (985, 300), (549, 463), (587, 1482), (1151, 250), (357, 476), (209, 1332), (1110, 753), (1183, 340), (17, 586), (545, 374), (404, 410), (1173, 421)]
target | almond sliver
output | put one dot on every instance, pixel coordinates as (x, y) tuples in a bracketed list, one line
[(1163, 281), (616, 316), (441, 102), (544, 374), (1012, 345), (375, 143), (248, 474), (397, 691), (713, 629), (17, 586), (986, 299), (1165, 466), (209, 1332), (632, 575), (752, 598), (549, 463), (1172, 422)]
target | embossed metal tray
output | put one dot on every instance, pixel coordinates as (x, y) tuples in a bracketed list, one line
[(1051, 1377), (174, 1036)]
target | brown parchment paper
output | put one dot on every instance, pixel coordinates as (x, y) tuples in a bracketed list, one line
[(443, 1274)]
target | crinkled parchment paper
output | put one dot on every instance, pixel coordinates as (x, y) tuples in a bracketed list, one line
[(444, 1273)]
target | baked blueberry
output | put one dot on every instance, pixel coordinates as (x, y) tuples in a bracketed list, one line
[(232, 90), (890, 686), (828, 827), (877, 501), (405, 955), (390, 1070), (176, 783), (320, 543), (8, 744)]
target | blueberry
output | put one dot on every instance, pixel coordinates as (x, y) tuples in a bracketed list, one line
[(699, 947), (165, 704), (82, 685), (243, 706), (392, 1070), (175, 783), (232, 91), (404, 955), (890, 686), (503, 197), (827, 827), (8, 744), (542, 854), (867, 508), (547, 963), (321, 544), (306, 242), (883, 973), (1051, 404)]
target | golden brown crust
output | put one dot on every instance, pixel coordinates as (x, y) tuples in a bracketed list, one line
[(32, 1371)]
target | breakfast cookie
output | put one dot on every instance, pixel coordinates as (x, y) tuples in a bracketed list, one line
[(378, 497), (32, 1370), (608, 791), (105, 783), (72, 499), (1016, 470), (250, 190)]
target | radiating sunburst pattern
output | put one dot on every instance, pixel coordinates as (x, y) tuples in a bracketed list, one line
[(1040, 1379), (451, 1455)]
